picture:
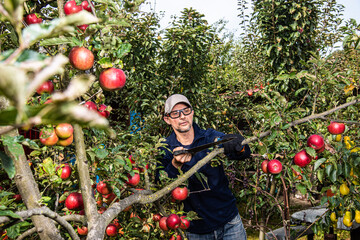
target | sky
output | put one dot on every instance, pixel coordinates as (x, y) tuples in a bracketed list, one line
[(215, 10)]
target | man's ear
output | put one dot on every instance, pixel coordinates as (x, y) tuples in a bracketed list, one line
[(166, 119)]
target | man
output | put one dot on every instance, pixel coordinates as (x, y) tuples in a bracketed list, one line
[(212, 199)]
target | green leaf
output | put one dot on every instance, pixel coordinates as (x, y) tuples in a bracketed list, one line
[(301, 188), (101, 153), (123, 49), (333, 175), (106, 62), (347, 169), (116, 191), (3, 194), (15, 148), (310, 151), (318, 163), (7, 164), (9, 214), (320, 175), (57, 41), (14, 230), (57, 27), (49, 166), (328, 169)]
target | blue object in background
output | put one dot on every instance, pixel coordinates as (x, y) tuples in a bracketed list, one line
[(135, 119)]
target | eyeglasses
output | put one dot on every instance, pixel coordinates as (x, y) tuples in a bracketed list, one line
[(177, 113)]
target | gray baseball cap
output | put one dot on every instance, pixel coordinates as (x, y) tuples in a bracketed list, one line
[(173, 100)]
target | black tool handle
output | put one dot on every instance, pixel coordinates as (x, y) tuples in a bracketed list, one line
[(178, 152)]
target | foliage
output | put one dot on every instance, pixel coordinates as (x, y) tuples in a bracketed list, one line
[(282, 60)]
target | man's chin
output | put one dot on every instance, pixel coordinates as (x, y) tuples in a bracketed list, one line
[(183, 129)]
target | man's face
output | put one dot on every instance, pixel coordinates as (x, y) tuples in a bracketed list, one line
[(183, 123)]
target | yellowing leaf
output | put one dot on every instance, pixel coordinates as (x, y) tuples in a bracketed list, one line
[(348, 88)]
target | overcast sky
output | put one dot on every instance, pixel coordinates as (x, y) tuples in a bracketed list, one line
[(215, 10)]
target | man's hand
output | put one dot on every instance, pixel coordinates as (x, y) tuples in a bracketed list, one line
[(233, 146), (179, 160)]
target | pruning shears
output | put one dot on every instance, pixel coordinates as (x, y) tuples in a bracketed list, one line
[(202, 147)]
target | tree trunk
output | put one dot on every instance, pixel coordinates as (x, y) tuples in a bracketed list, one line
[(28, 189)]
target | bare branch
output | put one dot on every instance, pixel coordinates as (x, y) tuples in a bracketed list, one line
[(27, 233), (340, 121), (45, 212)]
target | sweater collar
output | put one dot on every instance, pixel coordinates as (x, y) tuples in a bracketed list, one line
[(198, 133)]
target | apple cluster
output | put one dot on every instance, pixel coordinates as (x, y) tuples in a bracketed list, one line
[(101, 109), (273, 166), (173, 221), (302, 158), (71, 7), (61, 135)]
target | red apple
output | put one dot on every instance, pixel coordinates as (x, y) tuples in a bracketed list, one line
[(32, 19), (156, 217), (175, 237), (64, 130), (336, 128), (302, 158), (296, 174), (184, 223), (250, 92), (264, 166), (316, 142), (91, 105), (102, 111), (111, 230), (112, 79), (116, 223), (70, 8), (66, 142), (109, 197), (320, 151), (162, 224), (48, 101), (131, 159), (17, 197), (81, 58), (173, 221), (46, 87), (82, 231), (133, 180), (48, 137), (180, 193), (86, 6), (65, 171), (83, 27), (74, 201), (274, 166), (103, 188)]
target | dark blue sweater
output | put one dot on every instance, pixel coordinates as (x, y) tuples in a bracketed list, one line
[(215, 206)]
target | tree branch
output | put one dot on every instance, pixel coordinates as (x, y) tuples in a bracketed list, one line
[(303, 120), (45, 212)]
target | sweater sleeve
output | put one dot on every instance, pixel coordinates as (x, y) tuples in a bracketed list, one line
[(213, 134)]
